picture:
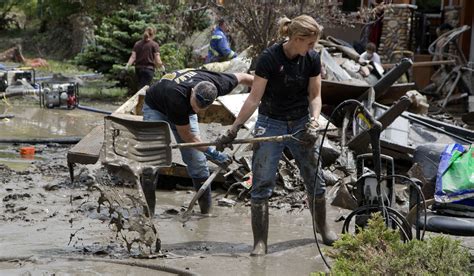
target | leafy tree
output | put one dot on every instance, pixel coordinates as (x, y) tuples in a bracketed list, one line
[(257, 19), (195, 18), (7, 18), (54, 12)]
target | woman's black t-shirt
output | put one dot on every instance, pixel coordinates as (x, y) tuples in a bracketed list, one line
[(171, 95), (286, 93)]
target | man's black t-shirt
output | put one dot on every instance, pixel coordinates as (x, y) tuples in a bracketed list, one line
[(171, 94), (286, 92)]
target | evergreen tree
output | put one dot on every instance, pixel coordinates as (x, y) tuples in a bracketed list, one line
[(116, 36), (118, 33)]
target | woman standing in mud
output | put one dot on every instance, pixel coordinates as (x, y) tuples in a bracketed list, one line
[(287, 92)]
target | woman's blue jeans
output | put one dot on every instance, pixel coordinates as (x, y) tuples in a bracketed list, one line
[(266, 156), (195, 160)]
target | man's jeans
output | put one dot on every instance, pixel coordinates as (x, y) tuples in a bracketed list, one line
[(267, 155), (195, 160)]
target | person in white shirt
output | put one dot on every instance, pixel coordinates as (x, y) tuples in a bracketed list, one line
[(370, 54)]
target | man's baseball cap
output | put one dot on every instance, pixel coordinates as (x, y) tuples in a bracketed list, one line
[(205, 93)]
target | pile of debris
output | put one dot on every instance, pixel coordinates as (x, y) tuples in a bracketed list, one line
[(15, 54), (404, 131)]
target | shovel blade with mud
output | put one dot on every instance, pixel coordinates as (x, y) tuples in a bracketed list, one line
[(134, 144)]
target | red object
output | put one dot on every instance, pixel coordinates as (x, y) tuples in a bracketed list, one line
[(27, 150), (71, 101)]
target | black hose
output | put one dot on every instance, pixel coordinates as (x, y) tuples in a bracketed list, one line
[(93, 109), (420, 193), (14, 258), (7, 116), (344, 103), (393, 214), (12, 94), (59, 140), (163, 268)]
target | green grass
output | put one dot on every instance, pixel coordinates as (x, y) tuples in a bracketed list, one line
[(64, 67), (103, 93)]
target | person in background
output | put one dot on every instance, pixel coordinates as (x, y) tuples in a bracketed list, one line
[(287, 92), (377, 15), (177, 98), (370, 54), (146, 57), (219, 48)]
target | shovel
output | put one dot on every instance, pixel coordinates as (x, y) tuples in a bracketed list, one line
[(148, 143)]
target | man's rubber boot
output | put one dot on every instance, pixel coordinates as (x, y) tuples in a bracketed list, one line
[(259, 211), (205, 201), (328, 236), (148, 181)]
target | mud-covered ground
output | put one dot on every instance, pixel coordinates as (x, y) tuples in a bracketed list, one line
[(47, 222), (47, 219), (50, 226)]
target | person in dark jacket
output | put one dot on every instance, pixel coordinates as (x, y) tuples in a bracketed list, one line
[(219, 48)]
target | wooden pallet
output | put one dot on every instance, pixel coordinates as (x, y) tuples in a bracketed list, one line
[(87, 151)]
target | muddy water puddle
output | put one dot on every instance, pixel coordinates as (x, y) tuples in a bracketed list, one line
[(32, 121), (11, 157), (216, 245), (45, 216)]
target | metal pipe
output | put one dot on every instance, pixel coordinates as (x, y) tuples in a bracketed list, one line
[(7, 116), (423, 63), (59, 140), (93, 109)]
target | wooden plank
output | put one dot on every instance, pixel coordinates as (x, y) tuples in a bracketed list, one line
[(233, 103), (128, 116), (395, 92), (87, 151), (216, 113), (130, 106)]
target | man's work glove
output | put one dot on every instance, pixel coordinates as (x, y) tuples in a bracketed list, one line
[(220, 158), (225, 140), (311, 133)]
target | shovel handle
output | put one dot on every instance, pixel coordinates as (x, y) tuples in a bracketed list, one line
[(200, 192), (279, 138), (204, 186)]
